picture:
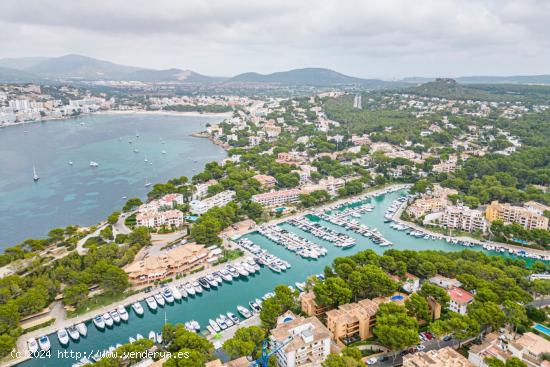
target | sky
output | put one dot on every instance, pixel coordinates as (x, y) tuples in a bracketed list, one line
[(365, 38)]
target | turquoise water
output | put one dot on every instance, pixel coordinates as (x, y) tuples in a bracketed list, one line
[(80, 194), (227, 297), (542, 329)]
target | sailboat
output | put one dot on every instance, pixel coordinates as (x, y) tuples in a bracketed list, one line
[(147, 183), (35, 176)]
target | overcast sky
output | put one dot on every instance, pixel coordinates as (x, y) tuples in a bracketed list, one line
[(366, 38)]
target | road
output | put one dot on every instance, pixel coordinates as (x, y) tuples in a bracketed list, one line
[(80, 249), (540, 302)]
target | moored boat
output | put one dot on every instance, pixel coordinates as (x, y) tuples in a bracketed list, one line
[(159, 299), (176, 293), (32, 345), (115, 316), (73, 332), (44, 343), (63, 337), (151, 303), (214, 325), (99, 322), (245, 312), (138, 308), (82, 329), (122, 313), (108, 319), (152, 336)]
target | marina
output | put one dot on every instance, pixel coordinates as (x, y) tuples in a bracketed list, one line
[(233, 296)]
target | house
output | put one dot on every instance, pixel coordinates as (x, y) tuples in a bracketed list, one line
[(460, 299), (265, 180), (530, 348), (304, 341), (223, 198), (409, 283), (153, 218), (492, 347), (444, 282), (444, 357)]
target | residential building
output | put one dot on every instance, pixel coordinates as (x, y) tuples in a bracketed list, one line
[(433, 201), (461, 218), (169, 263), (352, 321), (444, 357), (529, 216), (275, 198), (444, 282), (444, 167), (201, 189), (530, 348), (408, 282), (460, 299), (153, 218), (223, 198), (265, 180), (306, 341), (309, 306), (492, 347)]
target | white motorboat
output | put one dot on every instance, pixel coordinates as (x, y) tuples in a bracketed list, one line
[(189, 289), (258, 302), (93, 164), (225, 275), (227, 321), (73, 332), (210, 279), (151, 303), (195, 325), (139, 337), (242, 271), (159, 338), (245, 312), (115, 316), (35, 176), (197, 287), (254, 306), (63, 336), (250, 269), (99, 322), (214, 325), (183, 291), (217, 277), (203, 283), (82, 329), (167, 295), (122, 313), (231, 316), (232, 271), (32, 345), (138, 308), (108, 319), (221, 323), (152, 336), (176, 293), (131, 339), (159, 299), (44, 343)]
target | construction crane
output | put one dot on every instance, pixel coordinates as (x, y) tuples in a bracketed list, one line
[(263, 360)]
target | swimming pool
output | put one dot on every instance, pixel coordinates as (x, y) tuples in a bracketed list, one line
[(543, 329), (397, 297)]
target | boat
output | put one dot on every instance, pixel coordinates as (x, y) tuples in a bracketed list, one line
[(93, 164), (44, 343), (242, 271), (99, 322), (254, 306), (159, 338), (231, 316), (82, 329), (35, 176), (131, 339), (232, 271), (151, 303), (167, 295), (300, 286), (159, 299), (245, 312), (227, 321), (197, 287), (73, 332), (214, 325), (138, 309), (189, 289), (195, 324), (176, 293), (225, 275), (70, 163), (32, 345), (108, 319), (152, 336), (183, 291), (139, 337), (146, 160), (204, 283), (163, 152), (115, 316), (221, 323), (188, 326), (63, 337), (210, 279), (258, 302), (122, 313), (217, 277), (147, 184)]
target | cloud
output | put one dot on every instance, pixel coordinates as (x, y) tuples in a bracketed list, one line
[(366, 38)]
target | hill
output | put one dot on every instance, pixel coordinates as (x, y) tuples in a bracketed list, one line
[(309, 76), (9, 75)]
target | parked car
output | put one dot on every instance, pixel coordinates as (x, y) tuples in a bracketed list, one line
[(420, 347), (447, 338), (372, 361), (383, 359)]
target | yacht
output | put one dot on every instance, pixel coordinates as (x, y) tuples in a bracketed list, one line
[(189, 289), (227, 321), (159, 338), (138, 309), (167, 295), (244, 312), (195, 325), (108, 319), (233, 317), (44, 343), (210, 279), (217, 276), (115, 316), (242, 271), (249, 269), (82, 329), (93, 164), (151, 303), (73, 332), (197, 287), (152, 336), (204, 283), (214, 325), (221, 323), (225, 275), (63, 337), (70, 163), (122, 312), (163, 152), (147, 183), (99, 322), (183, 291), (35, 176), (232, 271), (131, 339), (254, 306), (139, 337), (176, 293), (159, 299), (32, 345)]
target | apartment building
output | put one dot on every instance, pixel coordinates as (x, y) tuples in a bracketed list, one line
[(530, 348), (306, 341), (265, 180), (444, 282), (276, 198), (352, 321), (444, 167), (201, 189), (309, 306), (433, 201), (460, 299), (445, 357), (223, 198), (153, 218), (492, 347), (530, 216), (463, 218)]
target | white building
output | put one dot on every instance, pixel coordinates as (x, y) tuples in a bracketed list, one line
[(275, 198), (153, 218), (200, 207), (460, 299)]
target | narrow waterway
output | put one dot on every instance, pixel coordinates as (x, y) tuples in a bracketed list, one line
[(211, 303)]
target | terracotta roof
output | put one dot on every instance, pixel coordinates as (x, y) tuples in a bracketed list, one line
[(460, 295)]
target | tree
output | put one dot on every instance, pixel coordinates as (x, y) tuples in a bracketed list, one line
[(515, 314), (436, 292), (244, 342), (107, 233), (332, 292), (462, 327), (131, 204), (352, 352), (113, 218), (334, 360), (113, 279), (179, 338), (7, 343), (417, 307), (9, 316), (75, 294), (140, 236), (190, 358), (394, 328)]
